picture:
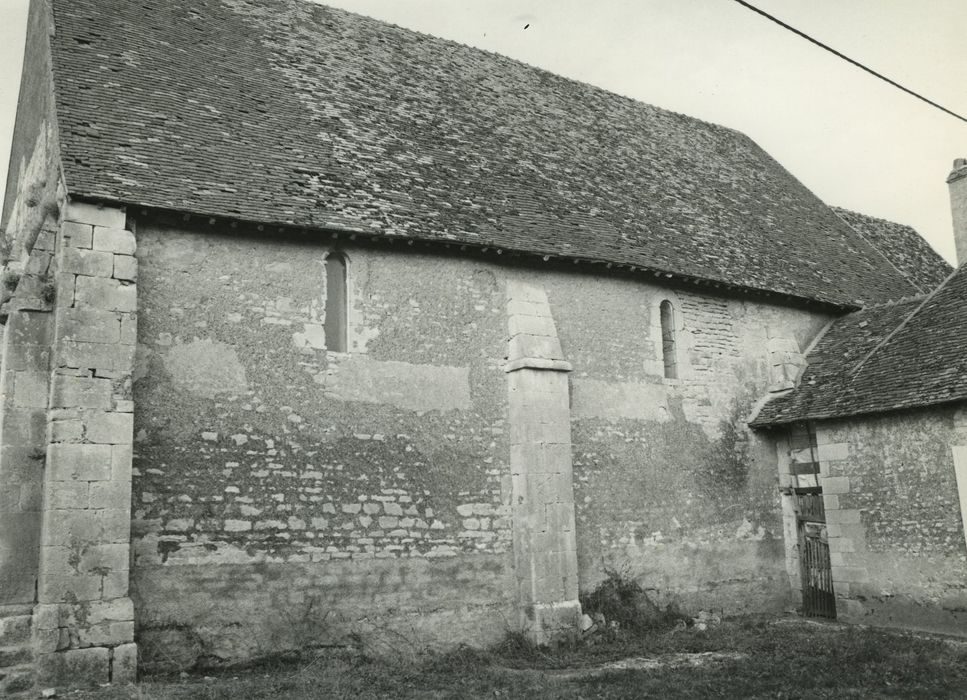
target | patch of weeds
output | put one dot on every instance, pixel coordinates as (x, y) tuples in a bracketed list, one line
[(621, 601)]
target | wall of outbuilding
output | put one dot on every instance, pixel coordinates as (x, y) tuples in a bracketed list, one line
[(284, 494), (896, 535)]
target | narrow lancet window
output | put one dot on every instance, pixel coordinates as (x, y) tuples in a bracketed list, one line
[(668, 350), (336, 337)]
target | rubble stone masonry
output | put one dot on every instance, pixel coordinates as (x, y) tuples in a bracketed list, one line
[(896, 538), (283, 492)]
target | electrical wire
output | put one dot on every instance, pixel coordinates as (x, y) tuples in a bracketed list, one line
[(848, 59)]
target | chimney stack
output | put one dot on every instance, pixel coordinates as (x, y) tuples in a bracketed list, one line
[(957, 182)]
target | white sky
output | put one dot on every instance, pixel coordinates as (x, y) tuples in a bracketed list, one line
[(852, 139)]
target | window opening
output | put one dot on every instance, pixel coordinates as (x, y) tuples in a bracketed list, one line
[(668, 349), (336, 302)]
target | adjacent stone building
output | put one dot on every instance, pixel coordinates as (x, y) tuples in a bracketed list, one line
[(321, 331), (877, 424)]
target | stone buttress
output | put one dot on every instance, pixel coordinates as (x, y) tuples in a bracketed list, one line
[(545, 546)]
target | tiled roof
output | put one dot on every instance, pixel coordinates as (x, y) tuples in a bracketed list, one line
[(286, 112), (884, 358), (903, 246)]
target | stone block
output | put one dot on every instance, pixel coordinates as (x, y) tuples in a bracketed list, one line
[(106, 294), (519, 307), (30, 389), (15, 656), (76, 587), (14, 630), (115, 584), (71, 430), (124, 664), (95, 214), (76, 668), (27, 357), (129, 329), (834, 485), (67, 529), (50, 640), (27, 427), (841, 544), (832, 452), (110, 428), (531, 325), (18, 564), (525, 291), (31, 497), (28, 328), (69, 495), (69, 462), (121, 457), (114, 495), (535, 346), (125, 268), (21, 464), (114, 239), (81, 392), (91, 263), (104, 356), (88, 325), (48, 617), (65, 291), (105, 634), (18, 681), (844, 517), (118, 609), (556, 433), (76, 235)]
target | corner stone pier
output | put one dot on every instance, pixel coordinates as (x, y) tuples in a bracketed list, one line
[(66, 423)]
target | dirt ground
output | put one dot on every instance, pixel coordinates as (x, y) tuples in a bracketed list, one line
[(739, 658)]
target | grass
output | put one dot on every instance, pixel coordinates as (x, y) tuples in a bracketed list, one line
[(764, 658)]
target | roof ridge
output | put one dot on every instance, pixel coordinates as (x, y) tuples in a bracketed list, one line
[(895, 302), (855, 371), (838, 209), (530, 66)]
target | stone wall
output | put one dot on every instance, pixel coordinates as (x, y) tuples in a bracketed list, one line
[(896, 536), (670, 486), (256, 449)]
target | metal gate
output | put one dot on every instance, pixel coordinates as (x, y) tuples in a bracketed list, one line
[(818, 599)]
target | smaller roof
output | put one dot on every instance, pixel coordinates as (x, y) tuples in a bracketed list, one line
[(906, 249), (908, 354)]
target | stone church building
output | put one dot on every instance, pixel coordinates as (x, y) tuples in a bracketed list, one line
[(318, 330)]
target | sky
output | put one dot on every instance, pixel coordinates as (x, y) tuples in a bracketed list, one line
[(852, 139)]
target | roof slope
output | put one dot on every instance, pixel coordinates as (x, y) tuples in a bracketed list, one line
[(903, 246), (904, 355), (286, 112)]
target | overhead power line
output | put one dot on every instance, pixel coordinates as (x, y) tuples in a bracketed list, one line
[(848, 59)]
